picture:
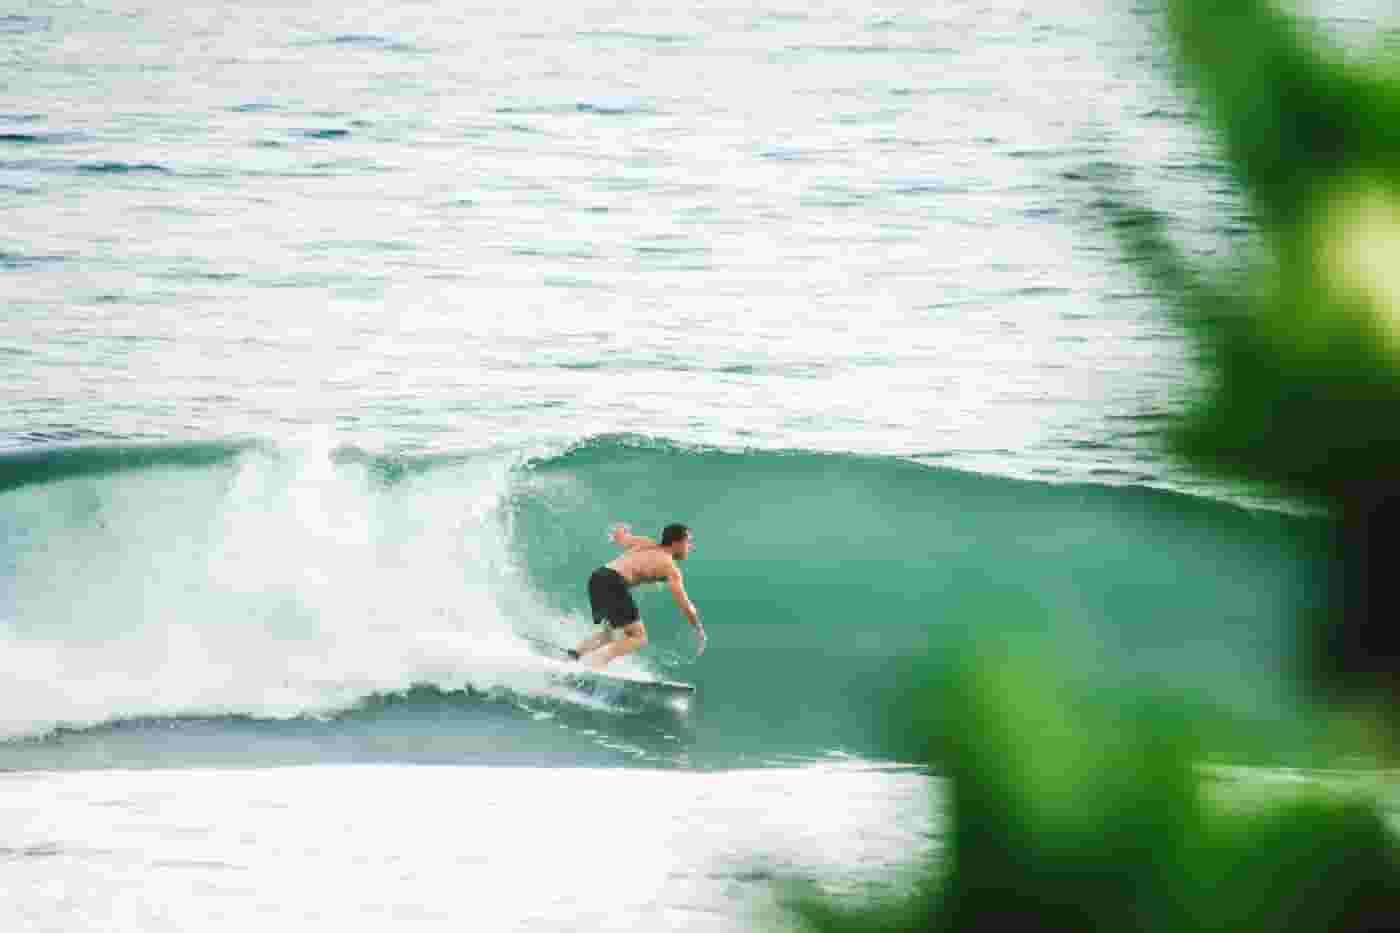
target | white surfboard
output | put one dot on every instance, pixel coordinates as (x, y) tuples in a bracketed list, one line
[(587, 676)]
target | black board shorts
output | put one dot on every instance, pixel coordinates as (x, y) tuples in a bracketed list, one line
[(610, 599)]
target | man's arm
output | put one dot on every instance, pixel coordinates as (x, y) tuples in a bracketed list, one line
[(622, 536), (692, 615)]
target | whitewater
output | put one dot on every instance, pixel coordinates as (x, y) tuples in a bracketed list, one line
[(333, 339)]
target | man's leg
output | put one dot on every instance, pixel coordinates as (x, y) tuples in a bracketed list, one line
[(594, 641), (634, 636)]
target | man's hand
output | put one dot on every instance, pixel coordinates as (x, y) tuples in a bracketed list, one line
[(619, 532)]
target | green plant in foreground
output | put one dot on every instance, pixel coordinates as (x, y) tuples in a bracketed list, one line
[(1077, 811), (1301, 348)]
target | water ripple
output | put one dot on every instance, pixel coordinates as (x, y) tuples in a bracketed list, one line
[(15, 23)]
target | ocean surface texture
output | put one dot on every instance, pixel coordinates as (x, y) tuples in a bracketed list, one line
[(333, 339)]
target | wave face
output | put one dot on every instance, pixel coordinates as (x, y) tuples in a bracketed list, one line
[(820, 575), (241, 603)]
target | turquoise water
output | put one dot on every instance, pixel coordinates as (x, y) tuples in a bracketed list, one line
[(333, 339), (392, 592)]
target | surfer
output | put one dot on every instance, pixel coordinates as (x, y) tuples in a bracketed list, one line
[(642, 561)]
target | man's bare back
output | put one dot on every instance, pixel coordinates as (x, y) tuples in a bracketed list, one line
[(645, 563)]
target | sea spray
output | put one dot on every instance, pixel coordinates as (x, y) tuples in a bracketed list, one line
[(279, 583)]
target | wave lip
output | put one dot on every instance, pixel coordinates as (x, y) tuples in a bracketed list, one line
[(45, 457)]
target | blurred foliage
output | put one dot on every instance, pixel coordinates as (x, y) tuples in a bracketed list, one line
[(1304, 355), (1080, 806), (1075, 810), (1300, 342)]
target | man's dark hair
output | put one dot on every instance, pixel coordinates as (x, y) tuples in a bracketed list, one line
[(673, 533)]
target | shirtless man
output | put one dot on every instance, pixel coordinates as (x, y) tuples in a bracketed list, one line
[(642, 561)]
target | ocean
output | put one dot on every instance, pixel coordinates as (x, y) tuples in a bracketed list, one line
[(334, 338)]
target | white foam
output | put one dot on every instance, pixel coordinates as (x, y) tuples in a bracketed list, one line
[(285, 583), (443, 848)]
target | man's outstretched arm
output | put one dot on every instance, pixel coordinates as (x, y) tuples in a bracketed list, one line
[(622, 536), (692, 615)]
